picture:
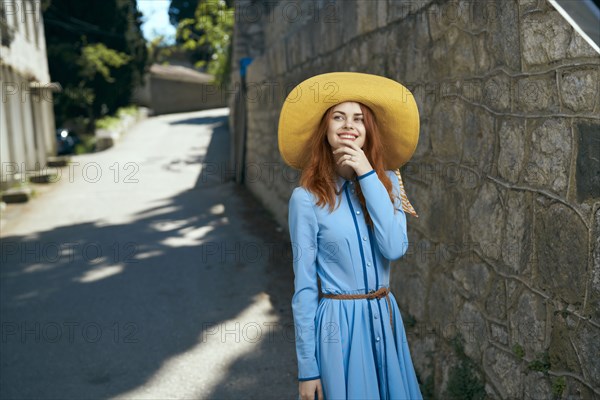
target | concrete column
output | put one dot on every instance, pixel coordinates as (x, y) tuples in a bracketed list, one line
[(28, 131), (5, 146), (15, 120)]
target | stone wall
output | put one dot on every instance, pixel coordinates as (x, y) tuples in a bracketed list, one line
[(500, 288)]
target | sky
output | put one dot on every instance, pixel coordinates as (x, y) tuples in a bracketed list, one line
[(156, 17)]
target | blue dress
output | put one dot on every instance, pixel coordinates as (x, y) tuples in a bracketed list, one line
[(350, 344)]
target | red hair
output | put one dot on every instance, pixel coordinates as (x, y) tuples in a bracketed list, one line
[(319, 175)]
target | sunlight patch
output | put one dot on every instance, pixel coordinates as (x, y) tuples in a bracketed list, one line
[(100, 273), (199, 370), (217, 209), (190, 236)]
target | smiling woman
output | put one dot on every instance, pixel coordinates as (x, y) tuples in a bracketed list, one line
[(347, 223), (346, 122)]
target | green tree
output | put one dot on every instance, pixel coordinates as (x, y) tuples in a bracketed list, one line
[(182, 9), (215, 19), (97, 52), (98, 59), (159, 51)]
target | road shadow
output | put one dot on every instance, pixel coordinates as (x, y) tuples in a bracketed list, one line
[(97, 310)]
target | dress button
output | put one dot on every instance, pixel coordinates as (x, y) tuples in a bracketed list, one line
[(377, 338), (376, 316), (369, 264), (364, 238), (352, 191), (358, 212)]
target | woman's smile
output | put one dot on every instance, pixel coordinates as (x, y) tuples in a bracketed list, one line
[(348, 135)]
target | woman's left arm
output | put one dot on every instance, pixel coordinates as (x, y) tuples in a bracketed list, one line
[(389, 225)]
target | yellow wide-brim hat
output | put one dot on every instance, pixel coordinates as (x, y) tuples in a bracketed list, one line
[(392, 103)]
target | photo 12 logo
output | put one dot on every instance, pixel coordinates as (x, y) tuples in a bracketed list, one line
[(90, 172), (51, 252), (22, 11), (27, 332)]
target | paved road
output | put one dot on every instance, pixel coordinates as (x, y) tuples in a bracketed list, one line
[(144, 273)]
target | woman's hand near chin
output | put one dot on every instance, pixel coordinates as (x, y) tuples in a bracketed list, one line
[(353, 156)]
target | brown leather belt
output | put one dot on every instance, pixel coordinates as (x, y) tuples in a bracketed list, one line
[(373, 294)]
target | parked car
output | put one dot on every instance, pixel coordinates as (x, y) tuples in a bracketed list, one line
[(66, 140)]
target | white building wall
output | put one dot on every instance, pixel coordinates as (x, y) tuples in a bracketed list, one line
[(23, 55), (27, 126), (5, 153)]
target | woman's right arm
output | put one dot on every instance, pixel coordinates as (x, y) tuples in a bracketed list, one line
[(303, 227), (308, 389)]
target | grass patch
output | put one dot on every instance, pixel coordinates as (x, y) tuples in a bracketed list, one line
[(463, 382), (518, 351), (427, 388), (541, 363), (410, 321), (558, 386)]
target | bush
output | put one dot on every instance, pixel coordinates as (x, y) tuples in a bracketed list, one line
[(129, 110), (108, 123), (87, 144)]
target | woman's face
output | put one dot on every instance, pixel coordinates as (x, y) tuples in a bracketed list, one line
[(346, 124)]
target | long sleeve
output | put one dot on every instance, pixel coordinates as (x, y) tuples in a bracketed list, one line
[(303, 226), (389, 226)]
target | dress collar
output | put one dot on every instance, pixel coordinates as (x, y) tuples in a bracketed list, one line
[(341, 182)]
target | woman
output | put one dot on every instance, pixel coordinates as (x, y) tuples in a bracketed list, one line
[(348, 132)]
